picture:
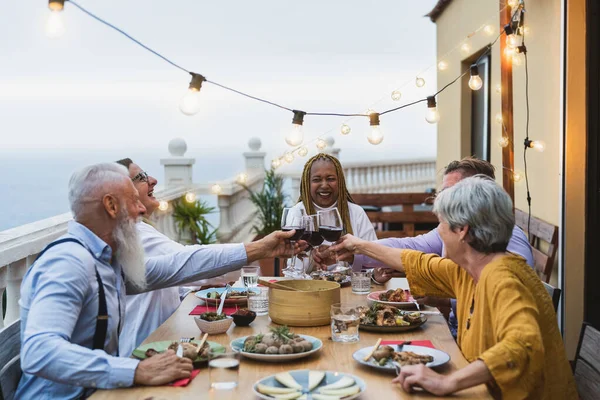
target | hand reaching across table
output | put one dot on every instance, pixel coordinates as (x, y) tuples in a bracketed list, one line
[(162, 368)]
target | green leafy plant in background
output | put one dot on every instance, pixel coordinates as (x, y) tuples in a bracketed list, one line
[(191, 218), (269, 203)]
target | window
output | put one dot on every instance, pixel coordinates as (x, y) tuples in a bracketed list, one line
[(480, 113)]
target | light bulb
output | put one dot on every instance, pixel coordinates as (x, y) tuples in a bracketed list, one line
[(516, 60), (375, 136), (216, 189), (498, 88), (288, 157), (488, 30), (321, 144), (190, 197), (370, 111), (163, 205), (275, 163), (503, 141), (55, 26), (513, 3), (442, 65), (432, 116), (396, 95), (537, 145), (509, 52), (512, 41), (420, 82), (517, 176), (302, 151), (465, 48), (345, 129), (475, 82), (190, 102), (524, 30), (296, 136), (242, 178), (499, 118)]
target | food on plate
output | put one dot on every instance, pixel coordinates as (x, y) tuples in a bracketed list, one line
[(231, 294), (288, 396), (320, 396), (330, 276), (265, 389), (347, 391), (395, 296), (344, 382), (383, 315), (314, 379), (386, 353), (286, 379), (244, 312), (190, 350), (279, 341), (212, 316)]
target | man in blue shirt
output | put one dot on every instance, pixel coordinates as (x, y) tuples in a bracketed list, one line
[(73, 297)]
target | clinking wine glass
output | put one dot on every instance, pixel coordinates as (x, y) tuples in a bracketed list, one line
[(312, 237), (292, 219), (330, 228)]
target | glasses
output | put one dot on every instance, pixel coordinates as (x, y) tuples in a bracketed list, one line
[(141, 177)]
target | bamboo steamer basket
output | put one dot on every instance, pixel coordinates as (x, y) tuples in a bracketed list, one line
[(311, 307)]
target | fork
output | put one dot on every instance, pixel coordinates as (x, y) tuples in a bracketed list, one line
[(223, 296)]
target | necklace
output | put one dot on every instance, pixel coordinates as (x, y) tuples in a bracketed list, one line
[(471, 312)]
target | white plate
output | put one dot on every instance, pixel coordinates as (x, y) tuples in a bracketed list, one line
[(238, 344), (439, 357), (373, 297), (239, 301), (301, 376)]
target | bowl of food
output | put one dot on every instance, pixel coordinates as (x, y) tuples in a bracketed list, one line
[(280, 344), (213, 323), (243, 317), (397, 298)]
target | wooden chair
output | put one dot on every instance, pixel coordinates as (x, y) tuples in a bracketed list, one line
[(554, 294), (10, 370), (412, 221), (540, 231), (587, 363)]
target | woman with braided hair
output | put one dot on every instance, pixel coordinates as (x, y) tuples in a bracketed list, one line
[(323, 188)]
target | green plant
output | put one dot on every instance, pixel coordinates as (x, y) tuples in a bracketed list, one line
[(269, 202), (190, 217)]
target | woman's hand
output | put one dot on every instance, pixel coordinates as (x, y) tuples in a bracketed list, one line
[(382, 275), (323, 257), (349, 243), (412, 376)]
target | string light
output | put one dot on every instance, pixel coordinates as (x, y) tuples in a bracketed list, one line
[(517, 176), (296, 135), (190, 103), (465, 48), (516, 60), (420, 82), (512, 40), (275, 163), (498, 88), (302, 151), (396, 95), (509, 52), (442, 65), (288, 157), (345, 129), (190, 197), (55, 26), (321, 144), (242, 178), (503, 141), (375, 136), (537, 145), (513, 3), (216, 189), (524, 30), (163, 205), (488, 29), (499, 118), (475, 82), (432, 116), (370, 111)]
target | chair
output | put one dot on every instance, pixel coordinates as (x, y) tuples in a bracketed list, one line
[(587, 363), (554, 294), (10, 372), (541, 231)]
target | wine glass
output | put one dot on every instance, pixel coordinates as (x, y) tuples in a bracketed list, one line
[(330, 228), (292, 219), (312, 237)]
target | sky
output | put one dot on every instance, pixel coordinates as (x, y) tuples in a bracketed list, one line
[(92, 93)]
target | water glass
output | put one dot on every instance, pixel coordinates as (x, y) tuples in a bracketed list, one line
[(259, 301), (361, 282), (250, 276), (223, 370), (344, 323)]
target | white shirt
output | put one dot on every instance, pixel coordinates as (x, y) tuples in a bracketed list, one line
[(147, 311)]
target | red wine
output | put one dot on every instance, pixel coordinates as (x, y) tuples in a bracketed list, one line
[(297, 235), (313, 238), (330, 233)]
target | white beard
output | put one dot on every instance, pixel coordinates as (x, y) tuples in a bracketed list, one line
[(130, 253)]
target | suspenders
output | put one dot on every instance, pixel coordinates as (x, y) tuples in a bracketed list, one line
[(102, 319)]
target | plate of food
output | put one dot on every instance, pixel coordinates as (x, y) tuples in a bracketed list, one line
[(306, 384), (190, 350), (385, 356), (235, 295), (280, 344), (343, 279), (388, 319), (397, 298)]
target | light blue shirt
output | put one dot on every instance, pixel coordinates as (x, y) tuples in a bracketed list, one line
[(59, 306)]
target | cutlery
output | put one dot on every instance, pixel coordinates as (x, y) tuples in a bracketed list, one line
[(401, 346), (201, 343), (223, 297), (275, 285), (179, 351)]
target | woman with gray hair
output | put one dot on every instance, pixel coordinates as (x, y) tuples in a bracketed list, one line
[(507, 326)]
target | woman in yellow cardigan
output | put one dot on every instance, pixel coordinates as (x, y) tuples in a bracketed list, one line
[(507, 327)]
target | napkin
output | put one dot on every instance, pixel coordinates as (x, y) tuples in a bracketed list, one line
[(185, 381), (424, 343), (227, 310)]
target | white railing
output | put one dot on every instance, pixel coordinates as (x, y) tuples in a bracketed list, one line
[(390, 176)]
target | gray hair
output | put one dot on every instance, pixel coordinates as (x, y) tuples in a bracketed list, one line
[(484, 206), (89, 184)]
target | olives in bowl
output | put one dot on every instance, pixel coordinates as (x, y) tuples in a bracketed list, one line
[(243, 317)]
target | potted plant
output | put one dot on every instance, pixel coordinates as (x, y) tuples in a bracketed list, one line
[(190, 220), (269, 203)]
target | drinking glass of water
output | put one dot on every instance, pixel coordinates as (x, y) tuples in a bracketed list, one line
[(344, 323), (223, 370), (361, 282), (259, 301), (250, 276)]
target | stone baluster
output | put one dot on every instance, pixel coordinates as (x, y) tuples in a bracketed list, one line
[(295, 189), (178, 169), (255, 159), (225, 228)]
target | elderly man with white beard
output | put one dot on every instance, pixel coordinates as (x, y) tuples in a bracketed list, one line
[(73, 296)]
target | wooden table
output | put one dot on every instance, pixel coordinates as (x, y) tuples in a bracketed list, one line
[(333, 356)]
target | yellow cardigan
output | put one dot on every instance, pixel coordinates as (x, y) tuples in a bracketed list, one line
[(513, 327)]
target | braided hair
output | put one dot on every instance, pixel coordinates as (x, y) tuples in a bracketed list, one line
[(343, 195)]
